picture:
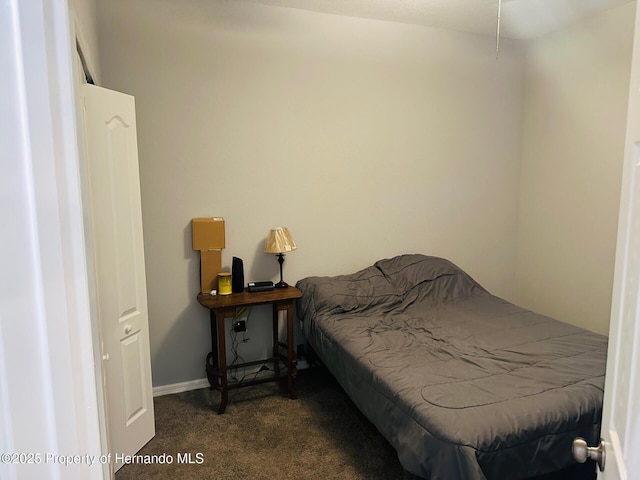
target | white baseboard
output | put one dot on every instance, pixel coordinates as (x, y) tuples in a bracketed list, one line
[(200, 383), (180, 387)]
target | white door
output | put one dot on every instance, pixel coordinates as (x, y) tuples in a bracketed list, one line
[(121, 296), (621, 412)]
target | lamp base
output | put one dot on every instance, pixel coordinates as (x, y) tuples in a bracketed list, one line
[(281, 283)]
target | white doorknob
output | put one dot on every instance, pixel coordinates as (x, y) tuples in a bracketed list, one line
[(582, 451), (105, 357), (128, 329)]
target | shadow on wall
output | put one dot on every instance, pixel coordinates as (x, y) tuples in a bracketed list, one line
[(265, 265), (189, 336)]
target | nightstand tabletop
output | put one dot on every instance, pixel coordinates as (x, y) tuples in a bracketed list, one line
[(247, 298)]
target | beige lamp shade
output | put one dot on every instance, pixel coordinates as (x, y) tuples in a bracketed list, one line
[(279, 241)]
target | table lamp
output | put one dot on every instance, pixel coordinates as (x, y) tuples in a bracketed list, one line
[(279, 242)]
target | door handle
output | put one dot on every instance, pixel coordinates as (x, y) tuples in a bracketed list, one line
[(105, 357), (581, 452), (127, 329)]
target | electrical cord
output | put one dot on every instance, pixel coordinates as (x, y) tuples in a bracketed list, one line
[(263, 368), (233, 367), (237, 359)]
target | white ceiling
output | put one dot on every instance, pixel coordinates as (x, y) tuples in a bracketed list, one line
[(523, 19)]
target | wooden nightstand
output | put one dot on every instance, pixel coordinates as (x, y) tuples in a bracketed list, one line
[(224, 306)]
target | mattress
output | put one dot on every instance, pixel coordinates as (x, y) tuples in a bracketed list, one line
[(463, 384)]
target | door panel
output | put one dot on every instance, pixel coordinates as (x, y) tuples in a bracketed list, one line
[(116, 226), (135, 395)]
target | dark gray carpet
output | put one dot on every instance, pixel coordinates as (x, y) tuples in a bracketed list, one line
[(265, 435)]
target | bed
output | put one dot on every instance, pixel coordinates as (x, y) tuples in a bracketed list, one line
[(463, 384)]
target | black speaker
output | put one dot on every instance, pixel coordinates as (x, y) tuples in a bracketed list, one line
[(237, 276)]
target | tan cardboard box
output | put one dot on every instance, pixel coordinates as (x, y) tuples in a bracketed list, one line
[(208, 233), (210, 266)]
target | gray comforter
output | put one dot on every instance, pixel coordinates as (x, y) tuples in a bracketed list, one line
[(463, 384)]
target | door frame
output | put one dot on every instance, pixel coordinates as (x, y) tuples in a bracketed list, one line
[(84, 71), (46, 338), (624, 330)]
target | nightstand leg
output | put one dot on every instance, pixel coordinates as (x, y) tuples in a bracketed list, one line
[(276, 347), (211, 364), (222, 360), (292, 359)]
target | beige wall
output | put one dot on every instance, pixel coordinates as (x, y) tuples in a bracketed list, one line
[(368, 139), (365, 138), (573, 145)]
